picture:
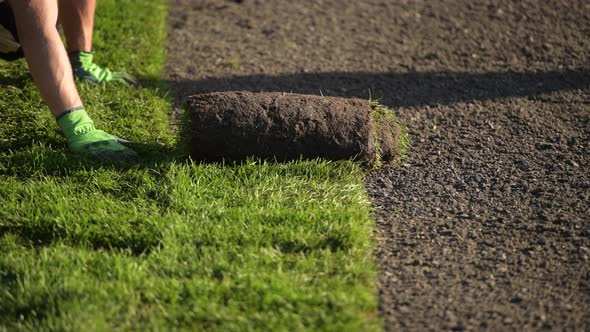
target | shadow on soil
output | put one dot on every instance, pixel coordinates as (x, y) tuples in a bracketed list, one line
[(411, 89)]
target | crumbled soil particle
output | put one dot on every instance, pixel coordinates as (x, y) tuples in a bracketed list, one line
[(485, 225)]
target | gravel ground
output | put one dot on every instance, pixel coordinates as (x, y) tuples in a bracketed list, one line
[(485, 225)]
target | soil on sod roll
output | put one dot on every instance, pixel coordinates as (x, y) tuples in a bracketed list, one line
[(284, 126)]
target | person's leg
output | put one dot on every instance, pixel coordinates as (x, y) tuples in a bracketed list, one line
[(77, 20), (45, 53), (52, 72)]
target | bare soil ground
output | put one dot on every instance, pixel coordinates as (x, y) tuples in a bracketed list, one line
[(486, 225)]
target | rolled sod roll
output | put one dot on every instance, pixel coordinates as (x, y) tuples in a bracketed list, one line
[(285, 126)]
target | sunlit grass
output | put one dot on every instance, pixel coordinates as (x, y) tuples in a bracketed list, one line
[(169, 243)]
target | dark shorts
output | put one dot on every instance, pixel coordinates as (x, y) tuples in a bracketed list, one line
[(9, 46)]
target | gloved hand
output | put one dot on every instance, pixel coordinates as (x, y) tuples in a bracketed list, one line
[(83, 138), (87, 71)]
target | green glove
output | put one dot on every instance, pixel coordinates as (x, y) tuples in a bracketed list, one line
[(87, 71), (86, 140)]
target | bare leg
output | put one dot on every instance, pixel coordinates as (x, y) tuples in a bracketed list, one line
[(77, 20), (45, 53), (52, 71)]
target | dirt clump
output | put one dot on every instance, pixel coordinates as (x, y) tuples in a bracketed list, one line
[(285, 126)]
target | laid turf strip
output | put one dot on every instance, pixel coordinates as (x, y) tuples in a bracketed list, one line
[(287, 126), (169, 243)]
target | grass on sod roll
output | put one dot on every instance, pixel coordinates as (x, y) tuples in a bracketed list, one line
[(403, 145), (168, 243)]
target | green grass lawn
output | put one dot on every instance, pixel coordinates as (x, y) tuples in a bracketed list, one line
[(169, 244)]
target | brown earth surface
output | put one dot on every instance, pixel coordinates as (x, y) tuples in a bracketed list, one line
[(237, 125), (486, 224), (282, 126)]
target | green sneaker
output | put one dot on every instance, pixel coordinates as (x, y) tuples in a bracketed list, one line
[(87, 71), (83, 138)]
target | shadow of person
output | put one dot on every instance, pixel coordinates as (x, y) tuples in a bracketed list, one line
[(47, 159), (411, 89)]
